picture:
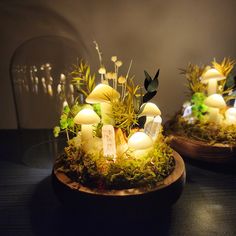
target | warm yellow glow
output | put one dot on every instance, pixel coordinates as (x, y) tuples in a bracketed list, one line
[(214, 103), (87, 116), (150, 109), (212, 86), (139, 141), (102, 93), (230, 115)]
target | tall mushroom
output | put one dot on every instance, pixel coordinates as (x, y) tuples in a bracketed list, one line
[(211, 77), (214, 103), (86, 118), (150, 110), (104, 94)]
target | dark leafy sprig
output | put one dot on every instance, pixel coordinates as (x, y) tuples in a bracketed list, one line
[(150, 86)]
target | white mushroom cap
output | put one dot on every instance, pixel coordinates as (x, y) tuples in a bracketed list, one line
[(87, 116), (149, 109), (140, 140), (102, 70), (102, 93), (231, 112), (212, 74), (215, 100)]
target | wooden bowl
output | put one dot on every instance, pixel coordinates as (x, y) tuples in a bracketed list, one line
[(203, 151), (163, 194)]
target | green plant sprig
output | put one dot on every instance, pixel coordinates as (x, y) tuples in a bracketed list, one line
[(193, 73), (66, 123), (82, 78)]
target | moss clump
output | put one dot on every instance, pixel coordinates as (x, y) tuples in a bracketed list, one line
[(204, 131), (126, 171)]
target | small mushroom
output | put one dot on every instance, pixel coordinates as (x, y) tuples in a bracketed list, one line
[(104, 94), (214, 102), (118, 63), (102, 72), (150, 110), (140, 143), (114, 58), (230, 115), (86, 118), (211, 77)]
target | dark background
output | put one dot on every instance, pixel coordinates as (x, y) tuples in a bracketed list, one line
[(155, 34)]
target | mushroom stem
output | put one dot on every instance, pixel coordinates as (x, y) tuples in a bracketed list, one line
[(86, 136), (213, 114), (106, 113), (212, 86), (86, 132)]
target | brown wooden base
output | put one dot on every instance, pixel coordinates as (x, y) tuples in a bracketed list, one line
[(216, 153), (164, 194)]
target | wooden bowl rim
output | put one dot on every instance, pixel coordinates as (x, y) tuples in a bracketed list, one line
[(199, 142), (176, 174)]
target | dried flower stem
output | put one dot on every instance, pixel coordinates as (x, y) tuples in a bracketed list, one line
[(115, 79), (127, 75), (99, 52)]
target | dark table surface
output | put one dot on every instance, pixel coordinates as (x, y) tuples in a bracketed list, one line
[(28, 205)]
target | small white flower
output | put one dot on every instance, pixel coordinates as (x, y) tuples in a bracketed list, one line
[(108, 75), (118, 63), (220, 88), (113, 75), (102, 70), (114, 58), (121, 80)]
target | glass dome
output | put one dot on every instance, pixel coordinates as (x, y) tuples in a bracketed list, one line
[(41, 80)]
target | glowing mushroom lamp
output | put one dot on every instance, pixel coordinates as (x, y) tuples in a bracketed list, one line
[(150, 110), (140, 143), (211, 77), (86, 118), (214, 102), (104, 94), (230, 115)]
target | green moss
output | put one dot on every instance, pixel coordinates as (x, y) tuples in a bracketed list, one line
[(204, 131), (95, 170)]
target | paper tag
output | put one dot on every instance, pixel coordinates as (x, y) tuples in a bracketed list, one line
[(108, 140)]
